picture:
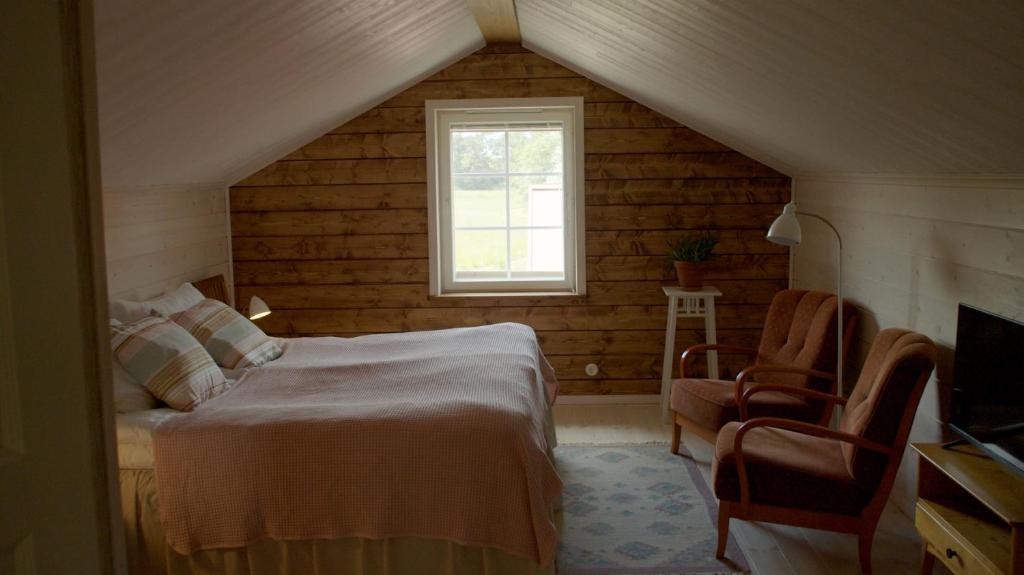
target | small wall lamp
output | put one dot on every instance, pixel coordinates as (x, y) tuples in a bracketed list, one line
[(258, 308)]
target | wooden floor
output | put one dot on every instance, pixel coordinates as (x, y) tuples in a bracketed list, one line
[(771, 549)]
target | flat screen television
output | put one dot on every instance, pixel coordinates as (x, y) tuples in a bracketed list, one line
[(988, 390)]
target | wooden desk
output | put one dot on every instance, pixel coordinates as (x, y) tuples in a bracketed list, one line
[(970, 511)]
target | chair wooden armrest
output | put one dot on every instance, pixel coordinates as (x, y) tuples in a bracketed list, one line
[(799, 427), (746, 374), (687, 356)]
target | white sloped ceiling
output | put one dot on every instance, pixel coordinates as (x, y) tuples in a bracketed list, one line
[(209, 91), (866, 86)]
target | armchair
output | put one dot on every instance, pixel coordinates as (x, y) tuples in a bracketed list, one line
[(797, 349), (785, 471)]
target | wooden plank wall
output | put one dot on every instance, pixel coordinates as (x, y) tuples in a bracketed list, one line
[(914, 248), (160, 236), (334, 236)]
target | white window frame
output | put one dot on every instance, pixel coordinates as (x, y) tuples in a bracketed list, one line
[(439, 115)]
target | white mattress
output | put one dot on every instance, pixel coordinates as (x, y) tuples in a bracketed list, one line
[(135, 436), (135, 430)]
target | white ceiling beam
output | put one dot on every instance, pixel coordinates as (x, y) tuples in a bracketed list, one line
[(496, 19)]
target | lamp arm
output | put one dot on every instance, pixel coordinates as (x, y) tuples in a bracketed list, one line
[(839, 238), (839, 308)]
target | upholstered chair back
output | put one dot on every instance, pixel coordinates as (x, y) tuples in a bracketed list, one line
[(884, 401), (800, 330)]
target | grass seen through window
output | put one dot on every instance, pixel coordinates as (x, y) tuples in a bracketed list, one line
[(507, 201)]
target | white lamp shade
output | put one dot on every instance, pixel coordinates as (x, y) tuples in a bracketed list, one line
[(258, 308), (785, 229)]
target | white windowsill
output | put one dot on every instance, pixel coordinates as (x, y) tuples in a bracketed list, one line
[(509, 294)]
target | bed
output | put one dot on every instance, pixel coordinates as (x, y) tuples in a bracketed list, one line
[(420, 453)]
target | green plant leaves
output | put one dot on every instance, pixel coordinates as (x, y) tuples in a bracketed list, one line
[(692, 248)]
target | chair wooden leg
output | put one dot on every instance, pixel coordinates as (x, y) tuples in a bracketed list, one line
[(723, 528), (864, 540), (677, 433)]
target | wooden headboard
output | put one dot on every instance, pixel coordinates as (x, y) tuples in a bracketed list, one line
[(215, 287)]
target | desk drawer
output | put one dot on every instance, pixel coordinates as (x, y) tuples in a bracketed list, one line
[(945, 542)]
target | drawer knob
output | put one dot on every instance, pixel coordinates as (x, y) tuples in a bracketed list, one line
[(950, 553)]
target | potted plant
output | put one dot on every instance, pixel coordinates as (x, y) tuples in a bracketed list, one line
[(688, 254)]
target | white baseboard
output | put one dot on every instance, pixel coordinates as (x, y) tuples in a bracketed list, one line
[(647, 399)]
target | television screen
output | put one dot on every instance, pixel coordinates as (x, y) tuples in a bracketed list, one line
[(988, 390)]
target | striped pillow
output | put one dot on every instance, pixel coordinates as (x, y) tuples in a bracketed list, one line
[(232, 340), (169, 362)]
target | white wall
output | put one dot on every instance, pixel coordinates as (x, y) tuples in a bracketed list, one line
[(915, 247), (160, 236)]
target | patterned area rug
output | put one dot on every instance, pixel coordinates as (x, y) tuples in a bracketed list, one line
[(638, 510)]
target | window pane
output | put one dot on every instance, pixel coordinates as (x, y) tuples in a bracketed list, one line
[(478, 152), (479, 251), (478, 201), (535, 150), (536, 200), (538, 251)]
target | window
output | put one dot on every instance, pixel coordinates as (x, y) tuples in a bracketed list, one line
[(505, 182)]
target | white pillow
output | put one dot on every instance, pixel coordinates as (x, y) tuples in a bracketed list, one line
[(169, 362), (179, 300), (231, 339), (129, 395), (170, 303), (122, 310)]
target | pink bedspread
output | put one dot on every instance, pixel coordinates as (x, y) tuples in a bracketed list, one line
[(437, 434)]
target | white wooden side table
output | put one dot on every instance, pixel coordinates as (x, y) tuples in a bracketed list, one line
[(687, 304)]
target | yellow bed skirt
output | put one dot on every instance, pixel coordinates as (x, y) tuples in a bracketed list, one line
[(148, 554)]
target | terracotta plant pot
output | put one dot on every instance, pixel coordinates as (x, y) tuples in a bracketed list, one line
[(690, 275)]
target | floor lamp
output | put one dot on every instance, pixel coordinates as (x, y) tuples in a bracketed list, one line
[(785, 231)]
